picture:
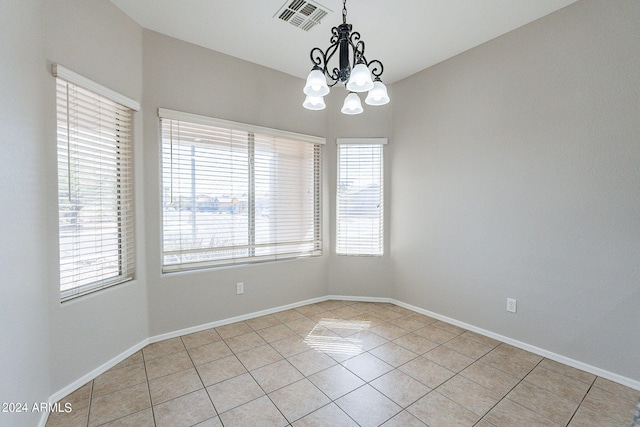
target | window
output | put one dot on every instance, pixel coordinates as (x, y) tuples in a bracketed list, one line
[(360, 196), (95, 185), (236, 194)]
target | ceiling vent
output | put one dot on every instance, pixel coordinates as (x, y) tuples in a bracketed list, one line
[(304, 14)]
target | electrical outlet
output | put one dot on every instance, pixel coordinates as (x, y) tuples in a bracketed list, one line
[(511, 305), (240, 288)]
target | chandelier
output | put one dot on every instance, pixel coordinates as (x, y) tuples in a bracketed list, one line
[(355, 72)]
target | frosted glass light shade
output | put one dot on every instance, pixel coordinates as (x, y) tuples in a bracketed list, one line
[(314, 103), (352, 104), (360, 79), (378, 94), (316, 84)]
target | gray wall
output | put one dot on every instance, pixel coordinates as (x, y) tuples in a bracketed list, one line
[(512, 171), (185, 77), (24, 261), (94, 39), (516, 174)]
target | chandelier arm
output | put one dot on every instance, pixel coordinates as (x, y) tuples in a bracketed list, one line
[(376, 68)]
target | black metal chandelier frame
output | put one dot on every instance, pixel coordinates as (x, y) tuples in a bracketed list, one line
[(346, 43)]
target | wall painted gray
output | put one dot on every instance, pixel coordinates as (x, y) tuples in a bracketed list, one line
[(24, 261), (98, 41), (185, 77), (512, 171), (516, 170)]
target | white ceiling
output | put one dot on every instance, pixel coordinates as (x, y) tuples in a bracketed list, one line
[(405, 35)]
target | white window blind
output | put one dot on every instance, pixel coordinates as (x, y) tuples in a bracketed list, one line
[(360, 196), (235, 193), (95, 190)]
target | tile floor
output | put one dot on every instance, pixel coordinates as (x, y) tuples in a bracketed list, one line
[(343, 363)]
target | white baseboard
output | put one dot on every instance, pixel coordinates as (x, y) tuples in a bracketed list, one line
[(528, 347), (524, 346)]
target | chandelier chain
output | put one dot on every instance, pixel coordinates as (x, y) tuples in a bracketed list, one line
[(344, 11)]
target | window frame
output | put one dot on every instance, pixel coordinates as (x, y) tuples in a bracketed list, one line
[(251, 258), (119, 146), (342, 240)]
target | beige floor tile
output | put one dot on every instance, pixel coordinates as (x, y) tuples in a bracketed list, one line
[(617, 389), (82, 394), (197, 339), (587, 418), (211, 422), (394, 354), (449, 358), (258, 357), (367, 366), (347, 312), (388, 331), (489, 377), (234, 392), (240, 343), (435, 410), (426, 371), (275, 333), (259, 412), (209, 352), (331, 304), (170, 364), (543, 402), (573, 390), (118, 379), (77, 417), (139, 419), (468, 394), (367, 406), (408, 323), (220, 370), (288, 315), (184, 411), (516, 366), (512, 351), (610, 405), (162, 348), (427, 320), (416, 343), (134, 359), (386, 314), (301, 326), (568, 371), (310, 309), (262, 322), (456, 330), (468, 347), (401, 310), (367, 340), (482, 339), (432, 333), (118, 404), (276, 375), (400, 387), (310, 362), (366, 306), (290, 346), (509, 414), (233, 329), (174, 385), (404, 419), (336, 381), (410, 361), (328, 416), (298, 399)]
